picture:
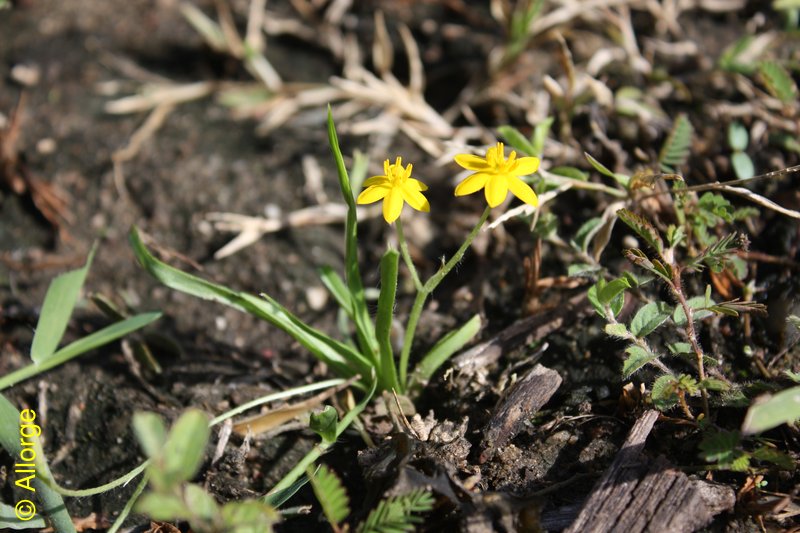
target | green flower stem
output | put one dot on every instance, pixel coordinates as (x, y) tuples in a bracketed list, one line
[(401, 239), (426, 290)]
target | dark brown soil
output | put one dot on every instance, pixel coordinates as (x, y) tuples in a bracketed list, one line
[(202, 160)]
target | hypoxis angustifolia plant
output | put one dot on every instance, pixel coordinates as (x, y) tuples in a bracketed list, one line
[(370, 351)]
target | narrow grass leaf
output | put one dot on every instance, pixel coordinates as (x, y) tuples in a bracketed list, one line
[(60, 300), (342, 358), (622, 179), (387, 372), (444, 349), (80, 346)]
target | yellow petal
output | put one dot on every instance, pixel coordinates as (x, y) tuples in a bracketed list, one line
[(415, 198), (376, 180), (418, 185), (372, 194), (393, 205), (523, 191), (472, 183), (526, 166), (472, 162), (496, 190)]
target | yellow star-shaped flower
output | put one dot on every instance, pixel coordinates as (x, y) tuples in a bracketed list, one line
[(395, 188), (497, 175)]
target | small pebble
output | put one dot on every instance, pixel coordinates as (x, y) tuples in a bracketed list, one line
[(26, 75), (46, 146), (317, 297)]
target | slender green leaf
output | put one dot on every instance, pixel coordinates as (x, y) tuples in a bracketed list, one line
[(649, 317), (80, 346), (622, 179), (60, 300), (387, 372), (336, 286), (365, 331), (772, 411), (444, 349), (637, 358), (342, 358), (540, 133), (517, 140), (778, 81), (570, 172)]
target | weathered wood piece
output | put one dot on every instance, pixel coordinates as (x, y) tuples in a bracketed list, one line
[(637, 494), (525, 398)]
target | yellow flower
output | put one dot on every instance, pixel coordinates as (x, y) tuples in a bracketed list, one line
[(497, 175), (395, 187)]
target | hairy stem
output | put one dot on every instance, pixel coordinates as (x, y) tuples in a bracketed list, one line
[(677, 290)]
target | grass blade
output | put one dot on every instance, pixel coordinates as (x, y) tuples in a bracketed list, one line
[(60, 300), (340, 357), (80, 346)]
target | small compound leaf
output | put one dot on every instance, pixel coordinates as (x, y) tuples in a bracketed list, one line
[(616, 330), (719, 446), (699, 306), (637, 358), (643, 228), (675, 151), (186, 446), (330, 493), (738, 138), (743, 165), (649, 317), (150, 432), (613, 289), (776, 457), (249, 516), (202, 504), (664, 393)]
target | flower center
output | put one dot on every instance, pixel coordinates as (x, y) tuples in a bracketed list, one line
[(497, 160), (397, 174)]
